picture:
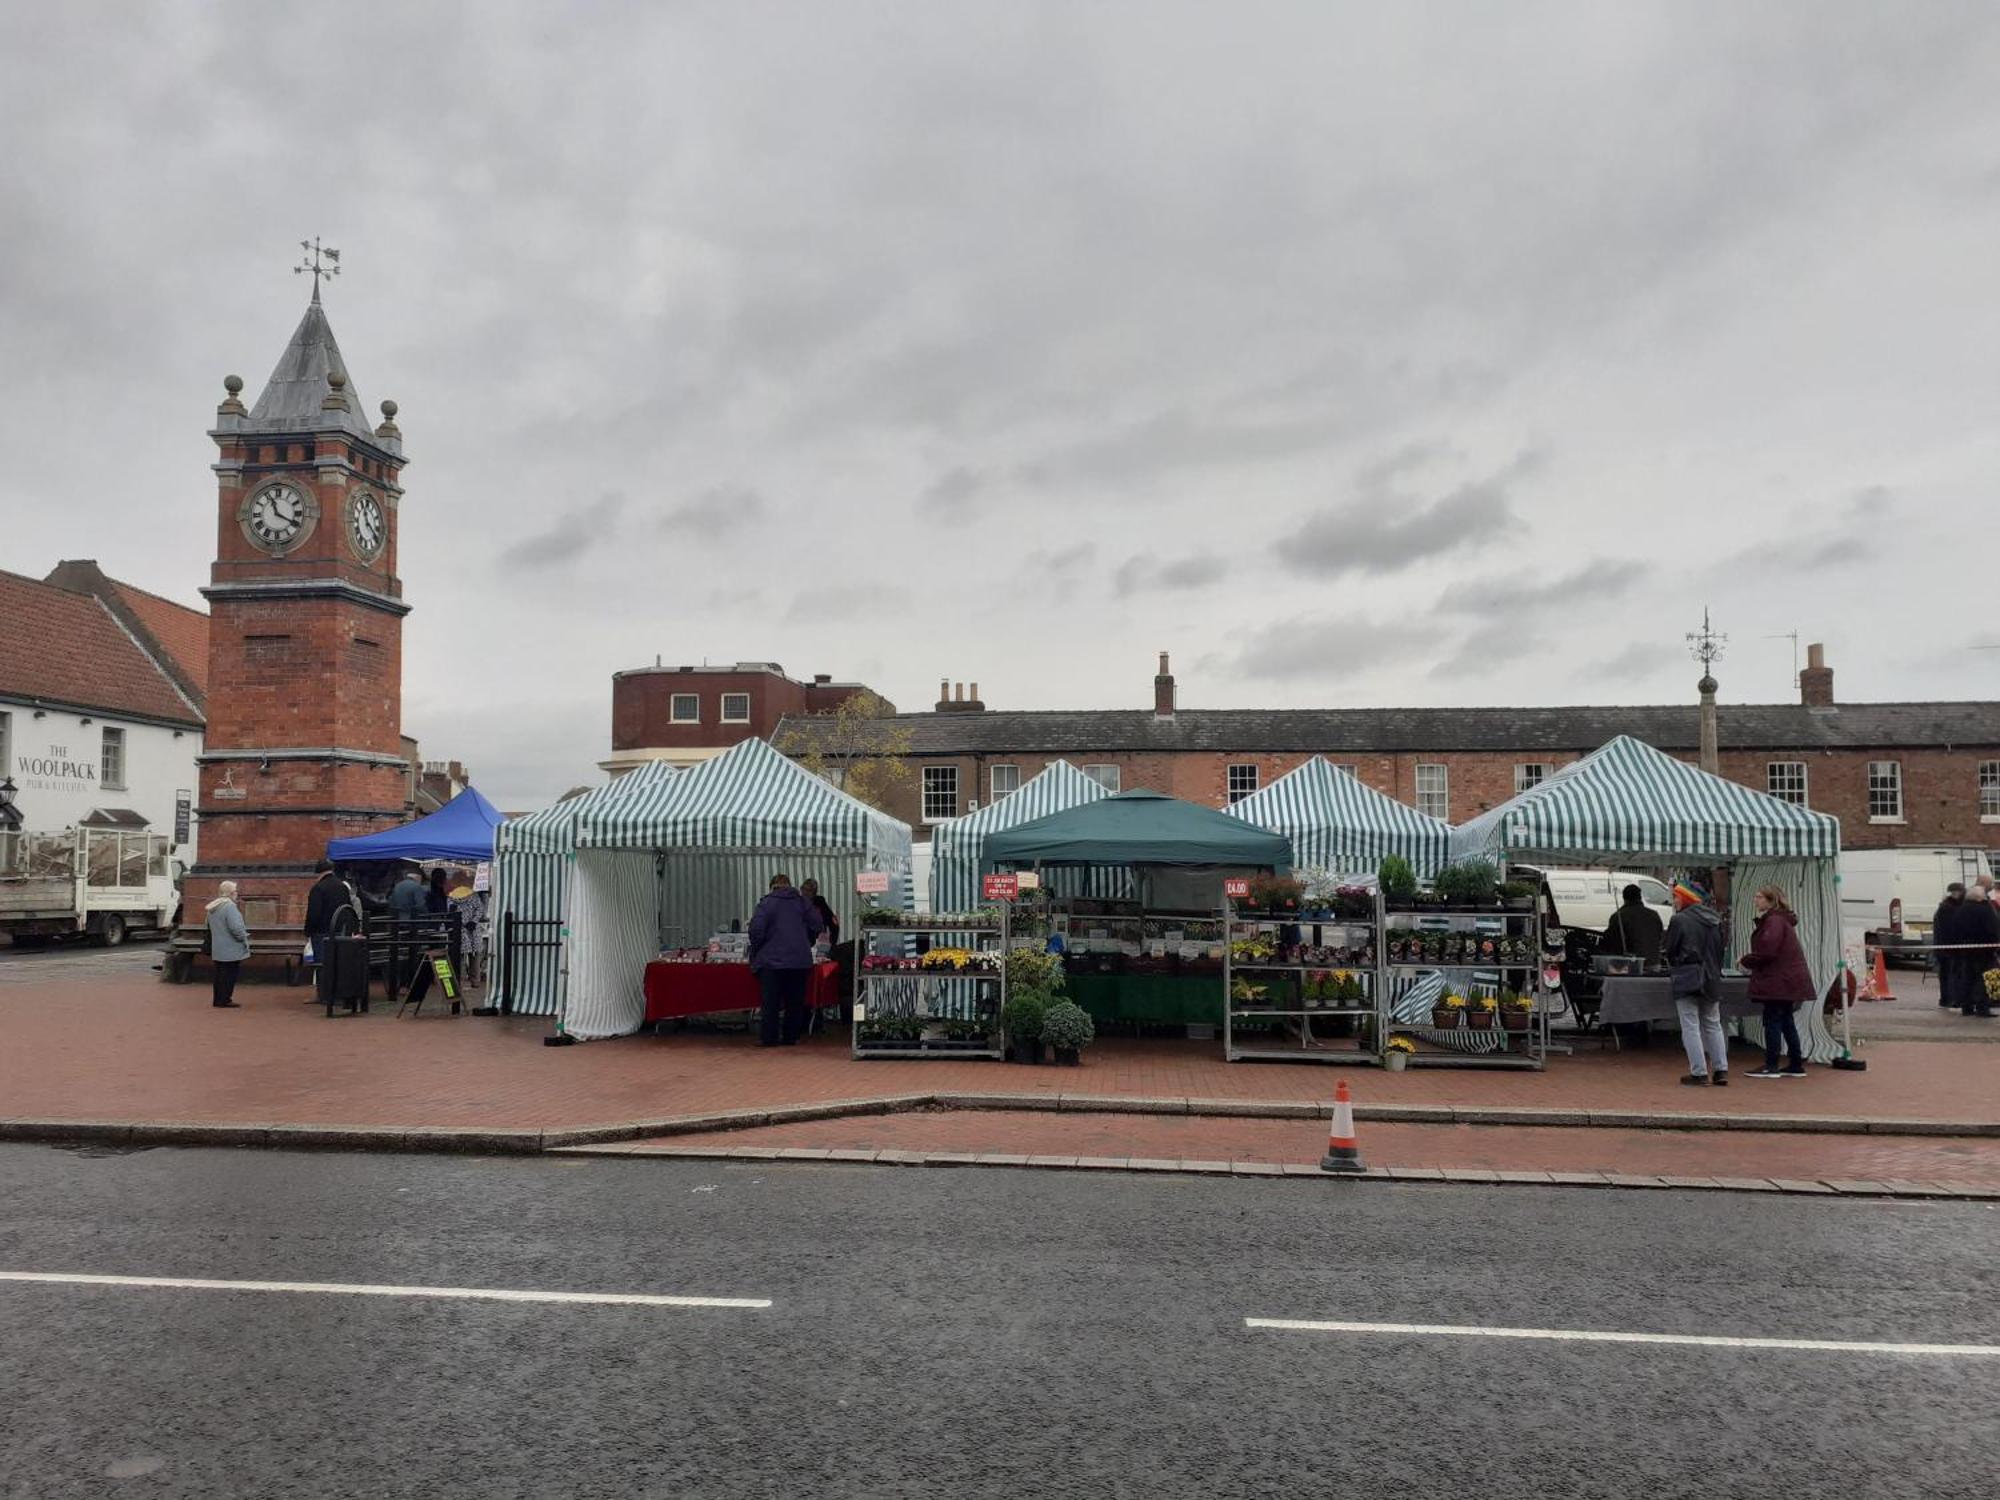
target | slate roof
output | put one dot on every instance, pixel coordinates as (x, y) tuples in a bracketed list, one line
[(66, 647), (292, 396), (1339, 732)]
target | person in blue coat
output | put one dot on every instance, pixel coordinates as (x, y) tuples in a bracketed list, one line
[(228, 943), (781, 956)]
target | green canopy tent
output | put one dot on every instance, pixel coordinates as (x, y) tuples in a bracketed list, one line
[(1627, 804), (958, 845), (1342, 827)]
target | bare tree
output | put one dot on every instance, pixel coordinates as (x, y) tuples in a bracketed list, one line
[(858, 747)]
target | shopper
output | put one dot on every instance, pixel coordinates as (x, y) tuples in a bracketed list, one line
[(781, 955), (1694, 956), (1634, 929), (328, 897), (228, 944), (406, 901), (437, 899), (1780, 981), (1979, 927), (809, 888)]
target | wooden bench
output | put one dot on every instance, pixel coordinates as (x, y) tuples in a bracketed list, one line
[(286, 944)]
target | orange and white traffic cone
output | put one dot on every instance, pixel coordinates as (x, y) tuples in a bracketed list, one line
[(1343, 1152), (1878, 983)]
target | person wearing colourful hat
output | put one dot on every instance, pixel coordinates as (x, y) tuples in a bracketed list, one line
[(1694, 955)]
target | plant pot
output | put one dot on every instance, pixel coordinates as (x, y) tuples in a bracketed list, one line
[(1068, 1057), (1396, 1062), (1444, 1018), (1515, 1020), (1029, 1051), (1482, 1020)]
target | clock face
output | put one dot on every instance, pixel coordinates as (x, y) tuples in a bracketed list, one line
[(278, 516), (367, 527)]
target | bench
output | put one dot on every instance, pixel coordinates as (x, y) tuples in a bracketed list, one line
[(286, 944)]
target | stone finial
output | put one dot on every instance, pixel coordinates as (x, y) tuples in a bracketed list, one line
[(233, 384), (336, 392), (232, 400), (389, 409), (389, 434)]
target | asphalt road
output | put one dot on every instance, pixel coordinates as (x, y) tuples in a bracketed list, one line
[(76, 959), (990, 1333)]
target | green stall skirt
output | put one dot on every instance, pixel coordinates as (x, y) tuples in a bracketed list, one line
[(1148, 999)]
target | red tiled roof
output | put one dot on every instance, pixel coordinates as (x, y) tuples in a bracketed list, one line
[(181, 630), (66, 647)]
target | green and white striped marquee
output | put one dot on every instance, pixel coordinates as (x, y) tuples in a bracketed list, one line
[(1339, 824), (958, 846), (1626, 800), (531, 864)]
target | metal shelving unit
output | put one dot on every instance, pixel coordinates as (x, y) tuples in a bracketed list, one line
[(931, 995), (1356, 936), (1515, 964)]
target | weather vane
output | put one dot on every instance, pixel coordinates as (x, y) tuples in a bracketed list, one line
[(1706, 644), (324, 265)]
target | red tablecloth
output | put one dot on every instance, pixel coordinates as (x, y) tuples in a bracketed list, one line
[(676, 990)]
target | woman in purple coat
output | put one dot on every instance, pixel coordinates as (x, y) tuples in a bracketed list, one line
[(1779, 980)]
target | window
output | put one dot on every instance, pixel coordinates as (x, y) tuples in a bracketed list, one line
[(1348, 768), (1006, 780), (1989, 782), (736, 708), (685, 708), (1885, 791), (1434, 791), (111, 769), (1530, 774), (940, 793), (1104, 776), (1242, 782), (1786, 780)]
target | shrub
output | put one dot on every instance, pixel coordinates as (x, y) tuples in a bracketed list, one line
[(1024, 1012), (1397, 879), (1067, 1026), (1470, 883), (1033, 969)]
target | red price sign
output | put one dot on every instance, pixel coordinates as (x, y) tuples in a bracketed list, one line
[(871, 882), (1235, 886), (1001, 887)]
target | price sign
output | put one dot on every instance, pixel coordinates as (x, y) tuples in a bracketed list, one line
[(1235, 886), (871, 882), (1000, 887)]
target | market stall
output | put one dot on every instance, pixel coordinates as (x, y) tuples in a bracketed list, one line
[(958, 845), (1632, 807), (684, 858), (462, 830), (532, 859), (1157, 958), (1341, 828)]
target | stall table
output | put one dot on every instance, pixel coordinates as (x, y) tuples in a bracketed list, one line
[(1148, 999), (1650, 997), (675, 991)]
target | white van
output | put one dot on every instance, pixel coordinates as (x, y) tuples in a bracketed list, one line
[(1888, 896), (1587, 898)]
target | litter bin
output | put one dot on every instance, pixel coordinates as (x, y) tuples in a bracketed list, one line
[(343, 977)]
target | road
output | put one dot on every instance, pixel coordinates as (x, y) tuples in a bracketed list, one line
[(76, 960), (992, 1333)]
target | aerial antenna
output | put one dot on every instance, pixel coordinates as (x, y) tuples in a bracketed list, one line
[(1793, 637), (324, 263)]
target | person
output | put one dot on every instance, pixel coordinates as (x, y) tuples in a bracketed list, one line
[(1975, 928), (437, 899), (468, 909), (810, 890), (328, 898), (1694, 956), (406, 901), (1947, 931), (1635, 928), (1780, 981), (228, 944), (781, 941)]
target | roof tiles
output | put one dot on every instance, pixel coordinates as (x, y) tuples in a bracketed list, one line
[(67, 648)]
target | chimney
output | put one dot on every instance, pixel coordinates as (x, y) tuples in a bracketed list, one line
[(1163, 691), (952, 699), (1816, 681), (821, 679)]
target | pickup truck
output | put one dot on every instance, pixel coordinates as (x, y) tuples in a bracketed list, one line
[(99, 882)]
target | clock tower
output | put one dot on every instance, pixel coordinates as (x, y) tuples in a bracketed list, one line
[(305, 639)]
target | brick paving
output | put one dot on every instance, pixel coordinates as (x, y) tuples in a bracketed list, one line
[(1496, 1148), (126, 1047)]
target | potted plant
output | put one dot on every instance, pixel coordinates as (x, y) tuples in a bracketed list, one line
[(1354, 903), (1483, 1011), (1516, 1011), (1068, 1029), (1517, 895), (1398, 880), (1449, 1013), (1021, 1018), (1472, 882), (1396, 1053)]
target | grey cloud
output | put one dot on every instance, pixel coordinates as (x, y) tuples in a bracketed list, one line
[(717, 508), (569, 537), (825, 603), (1487, 652), (1370, 536), (1145, 573), (1324, 648), (953, 491), (1639, 662), (1855, 530), (1504, 597)]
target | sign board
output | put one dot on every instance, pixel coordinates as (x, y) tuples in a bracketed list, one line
[(1000, 887), (482, 877), (871, 882), (1029, 880), (183, 806), (1235, 886)]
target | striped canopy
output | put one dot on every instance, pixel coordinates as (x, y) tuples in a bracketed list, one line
[(749, 797), (1340, 825), (957, 846), (1627, 801), (553, 829)]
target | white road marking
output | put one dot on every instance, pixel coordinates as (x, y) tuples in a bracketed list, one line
[(1596, 1336), (349, 1289)]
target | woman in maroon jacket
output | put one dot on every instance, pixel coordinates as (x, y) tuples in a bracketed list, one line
[(1779, 980)]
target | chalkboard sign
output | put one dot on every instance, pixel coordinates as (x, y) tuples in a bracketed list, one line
[(432, 966)]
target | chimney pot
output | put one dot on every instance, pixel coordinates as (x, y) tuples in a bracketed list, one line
[(975, 692), (958, 692), (1163, 691)]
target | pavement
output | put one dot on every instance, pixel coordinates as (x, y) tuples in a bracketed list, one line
[(97, 1045), (970, 1334)]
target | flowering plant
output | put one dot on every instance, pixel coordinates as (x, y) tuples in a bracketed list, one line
[(1399, 1044)]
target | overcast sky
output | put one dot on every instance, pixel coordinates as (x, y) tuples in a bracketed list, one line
[(1355, 354)]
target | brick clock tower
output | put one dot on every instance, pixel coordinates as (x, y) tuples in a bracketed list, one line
[(305, 638)]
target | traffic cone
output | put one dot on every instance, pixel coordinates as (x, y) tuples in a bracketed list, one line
[(1343, 1152), (1878, 983)]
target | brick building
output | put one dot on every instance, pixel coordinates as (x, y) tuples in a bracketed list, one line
[(1893, 773), (685, 715)]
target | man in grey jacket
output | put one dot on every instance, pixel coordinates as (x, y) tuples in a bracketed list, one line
[(1694, 954)]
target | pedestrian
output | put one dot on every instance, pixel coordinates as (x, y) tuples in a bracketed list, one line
[(781, 955), (1780, 981), (810, 890), (406, 901), (1635, 928), (1694, 957), (328, 897), (1947, 930), (437, 899), (1976, 928), (228, 944)]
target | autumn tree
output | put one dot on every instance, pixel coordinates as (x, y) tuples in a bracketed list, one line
[(859, 747)]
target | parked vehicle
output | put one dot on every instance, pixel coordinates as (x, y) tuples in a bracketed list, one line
[(99, 882), (1888, 896), (1586, 898)]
